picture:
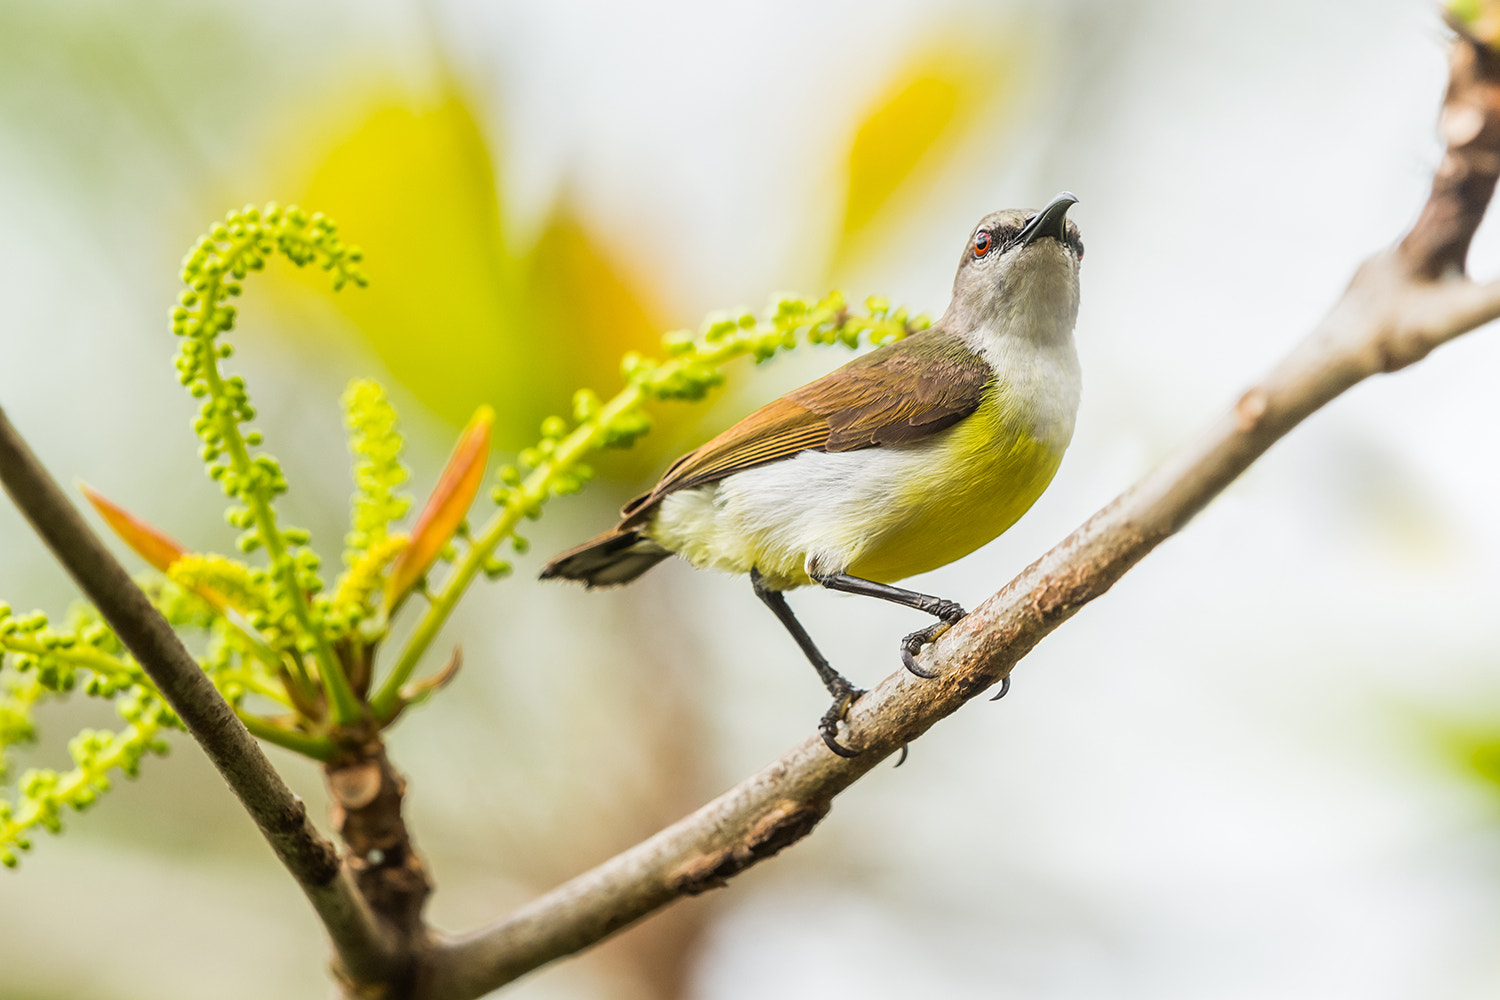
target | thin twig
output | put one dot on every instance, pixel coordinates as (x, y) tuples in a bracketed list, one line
[(364, 948), (1400, 305)]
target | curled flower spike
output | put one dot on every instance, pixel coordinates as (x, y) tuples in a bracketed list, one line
[(213, 272)]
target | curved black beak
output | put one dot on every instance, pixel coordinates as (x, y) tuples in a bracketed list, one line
[(1049, 221)]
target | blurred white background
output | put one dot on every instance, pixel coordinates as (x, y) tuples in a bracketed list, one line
[(1241, 774)]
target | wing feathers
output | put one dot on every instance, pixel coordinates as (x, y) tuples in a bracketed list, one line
[(895, 394)]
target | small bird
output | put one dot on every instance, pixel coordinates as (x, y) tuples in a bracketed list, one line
[(903, 460)]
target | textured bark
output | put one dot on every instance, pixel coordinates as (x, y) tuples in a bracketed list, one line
[(367, 793)]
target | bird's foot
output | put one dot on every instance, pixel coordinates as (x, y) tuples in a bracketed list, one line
[(912, 644), (828, 726)]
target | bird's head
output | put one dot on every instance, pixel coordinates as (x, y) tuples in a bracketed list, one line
[(1019, 274)]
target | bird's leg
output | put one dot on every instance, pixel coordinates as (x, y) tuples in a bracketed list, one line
[(834, 681), (844, 693), (946, 611)]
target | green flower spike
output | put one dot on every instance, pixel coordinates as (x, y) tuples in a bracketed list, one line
[(213, 272)]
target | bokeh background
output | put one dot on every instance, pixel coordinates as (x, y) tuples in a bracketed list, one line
[(1265, 765)]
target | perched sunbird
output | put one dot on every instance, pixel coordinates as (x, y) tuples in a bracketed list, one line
[(903, 460)]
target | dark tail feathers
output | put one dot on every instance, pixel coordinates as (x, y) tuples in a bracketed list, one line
[(615, 557)]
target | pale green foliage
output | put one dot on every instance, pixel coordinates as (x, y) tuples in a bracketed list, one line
[(271, 638), (259, 621), (41, 662)]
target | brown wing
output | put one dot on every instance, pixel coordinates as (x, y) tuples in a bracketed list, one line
[(897, 393)]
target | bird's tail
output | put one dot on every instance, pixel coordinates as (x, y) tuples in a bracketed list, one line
[(617, 556)]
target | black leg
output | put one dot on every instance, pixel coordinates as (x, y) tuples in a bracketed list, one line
[(946, 610), (844, 693), (776, 601)]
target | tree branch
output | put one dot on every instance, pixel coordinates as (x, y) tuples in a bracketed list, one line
[(364, 948), (1400, 305)]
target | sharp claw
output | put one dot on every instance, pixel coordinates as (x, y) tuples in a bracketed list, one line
[(909, 661), (828, 726), (913, 643), (1004, 687), (834, 745), (902, 759)]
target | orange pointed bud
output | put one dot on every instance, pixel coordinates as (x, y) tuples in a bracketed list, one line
[(150, 544), (446, 508)]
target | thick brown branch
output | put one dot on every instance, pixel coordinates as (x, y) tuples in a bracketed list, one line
[(367, 793), (1400, 305), (363, 946)]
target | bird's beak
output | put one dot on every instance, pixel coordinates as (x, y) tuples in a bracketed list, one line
[(1049, 221)]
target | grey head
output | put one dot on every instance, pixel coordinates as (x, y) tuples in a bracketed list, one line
[(1019, 274)]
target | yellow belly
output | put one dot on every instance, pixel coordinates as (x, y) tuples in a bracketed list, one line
[(981, 478), (879, 513)]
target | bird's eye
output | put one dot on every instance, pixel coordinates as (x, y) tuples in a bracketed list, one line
[(983, 242)]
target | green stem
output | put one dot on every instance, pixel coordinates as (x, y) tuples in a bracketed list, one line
[(317, 747), (79, 656), (532, 492), (255, 643), (68, 787), (258, 686)]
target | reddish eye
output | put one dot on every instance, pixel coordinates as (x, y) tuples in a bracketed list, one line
[(983, 241)]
